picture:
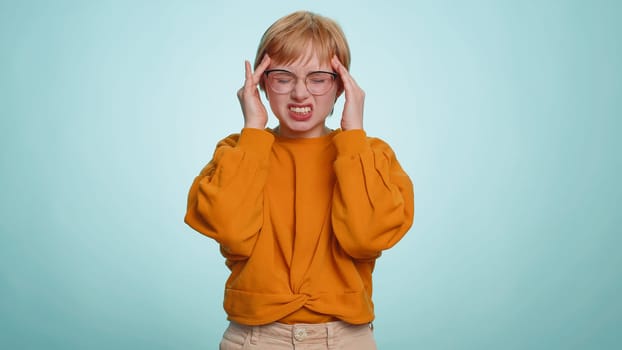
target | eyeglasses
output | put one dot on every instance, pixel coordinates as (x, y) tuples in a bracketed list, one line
[(283, 82)]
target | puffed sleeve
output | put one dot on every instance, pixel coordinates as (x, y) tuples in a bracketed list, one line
[(373, 200), (225, 201)]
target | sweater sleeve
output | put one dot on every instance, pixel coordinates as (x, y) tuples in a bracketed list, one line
[(225, 201), (373, 200)]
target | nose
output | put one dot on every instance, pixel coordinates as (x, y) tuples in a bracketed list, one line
[(300, 91)]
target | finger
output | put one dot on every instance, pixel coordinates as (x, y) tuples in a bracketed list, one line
[(339, 67), (261, 68), (346, 78), (248, 74)]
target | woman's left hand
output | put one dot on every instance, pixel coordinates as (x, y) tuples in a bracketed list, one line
[(352, 117)]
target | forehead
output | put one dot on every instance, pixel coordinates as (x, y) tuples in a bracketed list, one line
[(308, 60)]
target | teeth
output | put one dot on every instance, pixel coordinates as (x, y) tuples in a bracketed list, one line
[(300, 109)]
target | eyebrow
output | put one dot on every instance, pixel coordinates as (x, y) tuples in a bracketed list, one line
[(286, 71)]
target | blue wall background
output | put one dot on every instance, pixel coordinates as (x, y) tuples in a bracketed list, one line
[(506, 114)]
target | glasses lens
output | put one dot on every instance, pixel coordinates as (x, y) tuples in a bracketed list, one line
[(319, 83), (281, 82)]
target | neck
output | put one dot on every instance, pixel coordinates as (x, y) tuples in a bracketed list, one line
[(325, 131)]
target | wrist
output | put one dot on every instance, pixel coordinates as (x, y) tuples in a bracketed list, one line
[(351, 126), (254, 125)]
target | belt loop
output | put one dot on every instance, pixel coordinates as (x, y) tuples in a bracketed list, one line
[(254, 334), (330, 336)]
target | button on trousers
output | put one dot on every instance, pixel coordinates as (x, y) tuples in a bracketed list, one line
[(276, 336)]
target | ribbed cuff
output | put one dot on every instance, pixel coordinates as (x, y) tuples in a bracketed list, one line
[(351, 142), (255, 140)]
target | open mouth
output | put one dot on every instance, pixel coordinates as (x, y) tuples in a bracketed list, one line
[(300, 113), (300, 110)]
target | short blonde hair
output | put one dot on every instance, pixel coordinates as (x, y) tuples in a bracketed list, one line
[(289, 37)]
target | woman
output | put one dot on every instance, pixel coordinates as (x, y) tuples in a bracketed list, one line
[(301, 212)]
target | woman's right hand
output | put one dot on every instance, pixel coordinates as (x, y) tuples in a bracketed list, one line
[(255, 113)]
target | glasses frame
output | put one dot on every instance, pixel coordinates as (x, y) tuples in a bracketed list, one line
[(267, 73)]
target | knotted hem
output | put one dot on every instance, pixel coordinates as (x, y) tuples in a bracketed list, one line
[(254, 309)]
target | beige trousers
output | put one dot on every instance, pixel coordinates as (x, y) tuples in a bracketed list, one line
[(276, 336)]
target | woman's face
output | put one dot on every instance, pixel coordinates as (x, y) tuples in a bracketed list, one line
[(301, 114)]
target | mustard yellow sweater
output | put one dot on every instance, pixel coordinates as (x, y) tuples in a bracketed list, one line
[(301, 222)]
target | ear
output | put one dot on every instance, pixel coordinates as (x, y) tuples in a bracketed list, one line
[(339, 93), (340, 88)]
